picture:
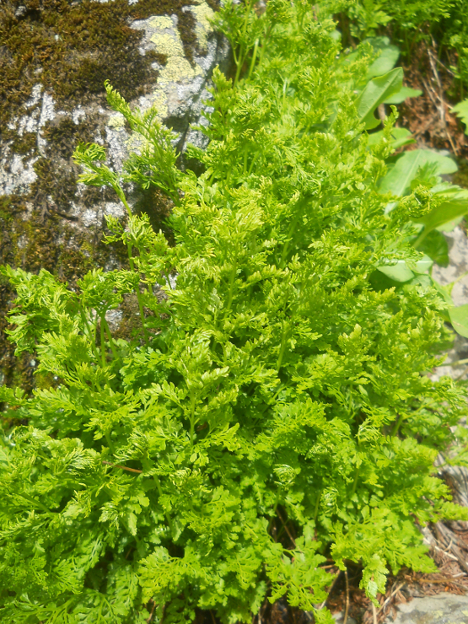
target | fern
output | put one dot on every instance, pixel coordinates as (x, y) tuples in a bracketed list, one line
[(273, 405)]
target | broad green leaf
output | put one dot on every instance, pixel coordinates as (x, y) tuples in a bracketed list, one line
[(459, 319), (398, 179), (422, 266), (453, 206), (401, 137), (385, 62), (436, 247), (450, 226), (398, 272), (403, 94), (375, 93), (403, 271), (461, 110)]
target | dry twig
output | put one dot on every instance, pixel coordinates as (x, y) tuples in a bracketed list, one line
[(330, 590), (391, 596), (286, 528), (442, 107), (123, 467), (347, 597)]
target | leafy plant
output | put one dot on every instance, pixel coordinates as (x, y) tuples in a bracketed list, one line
[(273, 406), (441, 21), (461, 109)]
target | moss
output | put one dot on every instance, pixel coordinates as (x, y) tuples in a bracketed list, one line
[(42, 241), (71, 48), (63, 134), (25, 144)]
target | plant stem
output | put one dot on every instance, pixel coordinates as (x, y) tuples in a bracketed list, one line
[(284, 336), (243, 51), (91, 333), (254, 57), (397, 425), (192, 421), (356, 477), (109, 337), (232, 280), (421, 237), (455, 363), (317, 506), (156, 480), (109, 442), (137, 292), (35, 502), (122, 197), (103, 344), (450, 286)]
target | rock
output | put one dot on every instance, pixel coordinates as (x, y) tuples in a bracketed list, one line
[(456, 269), (458, 266), (154, 52), (339, 618), (439, 609), (38, 127)]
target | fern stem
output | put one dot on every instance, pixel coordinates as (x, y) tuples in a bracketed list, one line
[(317, 506), (254, 57), (109, 442), (123, 199), (103, 344), (156, 480), (243, 51), (109, 337), (35, 502), (232, 279), (421, 237), (397, 426), (283, 345), (90, 331), (192, 421), (356, 477), (137, 292)]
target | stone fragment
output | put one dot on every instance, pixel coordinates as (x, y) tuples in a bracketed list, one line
[(439, 609)]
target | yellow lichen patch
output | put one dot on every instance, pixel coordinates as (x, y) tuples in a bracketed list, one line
[(116, 121), (168, 45), (161, 22), (178, 69), (203, 14), (159, 101)]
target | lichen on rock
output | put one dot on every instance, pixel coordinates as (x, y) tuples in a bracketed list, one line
[(54, 58)]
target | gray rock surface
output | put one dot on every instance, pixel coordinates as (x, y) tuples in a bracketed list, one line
[(339, 618), (178, 95), (439, 609), (458, 255), (458, 266)]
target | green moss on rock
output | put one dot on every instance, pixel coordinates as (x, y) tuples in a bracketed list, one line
[(43, 240), (71, 48)]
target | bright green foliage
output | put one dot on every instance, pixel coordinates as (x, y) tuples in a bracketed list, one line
[(461, 109), (443, 21), (274, 406), (368, 15)]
